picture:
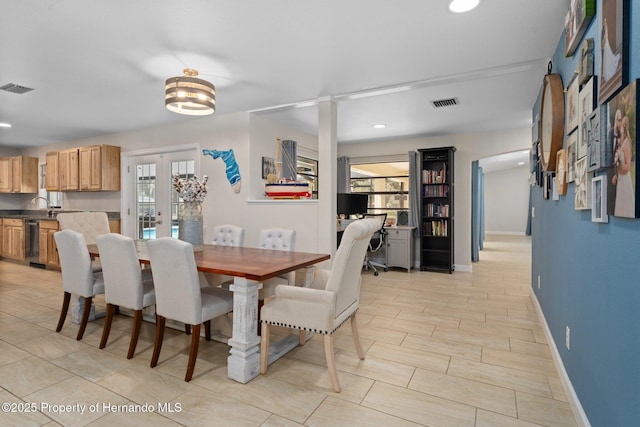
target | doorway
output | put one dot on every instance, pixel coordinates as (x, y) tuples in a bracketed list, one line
[(152, 205)]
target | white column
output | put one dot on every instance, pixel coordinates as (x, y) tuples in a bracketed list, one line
[(243, 362), (327, 180)]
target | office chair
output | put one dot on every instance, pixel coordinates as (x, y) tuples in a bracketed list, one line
[(377, 243)]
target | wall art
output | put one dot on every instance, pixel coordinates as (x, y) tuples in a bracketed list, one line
[(585, 108), (572, 156), (614, 47), (580, 14), (599, 199), (571, 120), (582, 186), (622, 109)]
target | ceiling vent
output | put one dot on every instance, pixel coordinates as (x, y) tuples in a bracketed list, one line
[(14, 88), (445, 102)]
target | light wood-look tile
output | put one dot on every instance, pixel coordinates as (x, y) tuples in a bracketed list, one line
[(462, 349)]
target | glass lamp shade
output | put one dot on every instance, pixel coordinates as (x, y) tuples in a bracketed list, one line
[(190, 95)]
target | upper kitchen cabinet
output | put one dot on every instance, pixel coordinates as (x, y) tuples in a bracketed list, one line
[(99, 168), (18, 174), (52, 176), (68, 170)]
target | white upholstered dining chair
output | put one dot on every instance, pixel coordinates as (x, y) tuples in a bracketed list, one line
[(89, 224), (224, 235), (77, 275), (125, 284), (180, 297), (331, 300)]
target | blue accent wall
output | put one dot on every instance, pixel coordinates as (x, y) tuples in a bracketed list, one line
[(590, 279)]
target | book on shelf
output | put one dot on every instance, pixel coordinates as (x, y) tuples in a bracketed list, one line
[(435, 176), (436, 210), (436, 191), (435, 228)]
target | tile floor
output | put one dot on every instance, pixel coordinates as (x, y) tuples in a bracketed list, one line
[(465, 349)]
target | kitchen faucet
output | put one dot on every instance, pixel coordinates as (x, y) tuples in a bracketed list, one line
[(50, 210)]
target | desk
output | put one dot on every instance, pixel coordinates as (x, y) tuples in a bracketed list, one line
[(250, 267)]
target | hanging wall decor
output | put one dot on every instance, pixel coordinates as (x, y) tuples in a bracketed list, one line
[(231, 167), (614, 47), (599, 199), (623, 114), (580, 14)]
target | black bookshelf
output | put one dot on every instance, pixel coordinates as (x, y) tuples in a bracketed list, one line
[(436, 234)]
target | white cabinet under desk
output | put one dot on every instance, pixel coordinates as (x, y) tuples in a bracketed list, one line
[(400, 246)]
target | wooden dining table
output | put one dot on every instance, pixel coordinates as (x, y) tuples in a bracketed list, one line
[(249, 268)]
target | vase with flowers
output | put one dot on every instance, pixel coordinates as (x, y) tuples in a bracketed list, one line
[(190, 223)]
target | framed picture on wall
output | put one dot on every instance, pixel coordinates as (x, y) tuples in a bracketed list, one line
[(623, 113), (585, 108), (571, 120), (614, 47), (580, 14), (594, 138), (572, 156), (582, 186), (268, 166), (561, 172), (599, 199)]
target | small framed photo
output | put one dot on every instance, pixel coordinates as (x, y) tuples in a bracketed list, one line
[(268, 166), (571, 119), (572, 156), (580, 14), (585, 108), (599, 199), (582, 186)]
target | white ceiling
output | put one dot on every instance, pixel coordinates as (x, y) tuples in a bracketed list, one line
[(99, 67)]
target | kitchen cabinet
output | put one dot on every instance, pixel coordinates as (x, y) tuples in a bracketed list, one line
[(68, 170), (18, 174), (13, 238), (100, 168), (400, 246), (52, 174), (47, 244)]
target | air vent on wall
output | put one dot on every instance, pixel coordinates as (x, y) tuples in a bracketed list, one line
[(14, 88), (445, 102)]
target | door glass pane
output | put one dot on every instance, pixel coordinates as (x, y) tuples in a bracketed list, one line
[(146, 201), (185, 169)]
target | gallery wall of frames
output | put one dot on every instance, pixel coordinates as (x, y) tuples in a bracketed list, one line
[(585, 232), (600, 118)]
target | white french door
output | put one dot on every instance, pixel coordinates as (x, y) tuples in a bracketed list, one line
[(153, 204)]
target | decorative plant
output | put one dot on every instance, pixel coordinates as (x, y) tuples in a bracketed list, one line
[(190, 189)]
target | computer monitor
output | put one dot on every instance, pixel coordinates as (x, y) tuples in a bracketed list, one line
[(352, 204)]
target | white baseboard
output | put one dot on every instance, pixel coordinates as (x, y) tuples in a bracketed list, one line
[(509, 233), (572, 397), (463, 268)]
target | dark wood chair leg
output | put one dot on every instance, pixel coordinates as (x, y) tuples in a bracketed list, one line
[(260, 304), (157, 345), (63, 312), (207, 330), (106, 329), (135, 332), (85, 317), (187, 329), (117, 309), (193, 353)]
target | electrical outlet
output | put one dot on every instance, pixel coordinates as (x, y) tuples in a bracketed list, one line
[(538, 281), (567, 338)]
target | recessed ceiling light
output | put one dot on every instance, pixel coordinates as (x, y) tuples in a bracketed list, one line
[(5, 125), (461, 6), (380, 126)]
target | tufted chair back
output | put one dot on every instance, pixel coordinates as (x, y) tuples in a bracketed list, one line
[(228, 235), (280, 239), (90, 224)]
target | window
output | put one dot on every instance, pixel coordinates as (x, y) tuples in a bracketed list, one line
[(387, 185), (308, 172)]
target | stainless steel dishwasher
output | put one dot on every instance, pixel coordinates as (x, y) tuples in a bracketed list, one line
[(32, 243)]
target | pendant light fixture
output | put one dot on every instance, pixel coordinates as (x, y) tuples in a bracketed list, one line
[(190, 95)]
